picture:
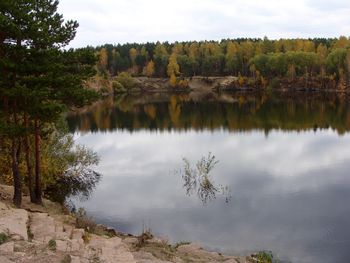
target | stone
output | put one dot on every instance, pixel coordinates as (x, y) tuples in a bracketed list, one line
[(140, 255), (232, 260), (78, 233), (109, 250), (5, 260), (3, 206), (62, 235), (62, 245), (130, 241), (7, 247), (188, 248), (155, 240), (195, 251), (75, 259), (153, 261), (77, 244), (146, 257), (13, 222), (42, 227)]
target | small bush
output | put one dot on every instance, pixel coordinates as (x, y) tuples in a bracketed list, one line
[(181, 243), (251, 82), (126, 80), (3, 238), (30, 234), (52, 245), (183, 83), (141, 240), (95, 259), (104, 90), (118, 87), (66, 259), (83, 221), (265, 257), (86, 237), (241, 81)]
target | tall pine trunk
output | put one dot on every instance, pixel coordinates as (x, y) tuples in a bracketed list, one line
[(15, 155), (17, 182), (29, 162), (38, 190)]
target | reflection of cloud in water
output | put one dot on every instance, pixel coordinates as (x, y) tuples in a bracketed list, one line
[(289, 191), (290, 153)]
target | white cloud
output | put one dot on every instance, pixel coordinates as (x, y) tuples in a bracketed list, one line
[(124, 21)]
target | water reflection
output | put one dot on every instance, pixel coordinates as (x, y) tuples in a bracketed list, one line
[(290, 189), (79, 186), (199, 180), (233, 112)]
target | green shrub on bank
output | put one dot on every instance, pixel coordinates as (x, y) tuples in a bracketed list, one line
[(3, 238), (265, 257), (52, 245), (118, 87), (125, 80)]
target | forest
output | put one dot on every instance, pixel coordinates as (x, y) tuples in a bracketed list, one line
[(258, 58)]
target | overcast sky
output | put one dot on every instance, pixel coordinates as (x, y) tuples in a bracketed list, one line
[(121, 21)]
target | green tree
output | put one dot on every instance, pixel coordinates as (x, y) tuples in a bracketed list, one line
[(161, 57), (141, 58), (14, 21), (336, 60), (47, 79)]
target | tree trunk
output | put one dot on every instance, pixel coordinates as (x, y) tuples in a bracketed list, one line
[(29, 162), (15, 155), (17, 183), (38, 190)]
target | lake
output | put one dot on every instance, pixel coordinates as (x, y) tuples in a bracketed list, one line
[(283, 159)]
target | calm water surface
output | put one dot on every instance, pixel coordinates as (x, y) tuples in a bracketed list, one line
[(285, 160)]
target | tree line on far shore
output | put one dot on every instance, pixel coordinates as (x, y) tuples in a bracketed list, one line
[(258, 58)]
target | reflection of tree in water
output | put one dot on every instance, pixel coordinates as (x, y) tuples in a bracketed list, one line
[(174, 110), (199, 180), (232, 112), (74, 186)]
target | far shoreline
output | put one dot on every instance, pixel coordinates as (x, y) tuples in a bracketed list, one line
[(201, 85)]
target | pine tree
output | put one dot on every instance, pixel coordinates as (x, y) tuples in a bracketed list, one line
[(38, 80), (14, 21)]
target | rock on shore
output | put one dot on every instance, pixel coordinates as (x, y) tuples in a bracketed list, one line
[(46, 234)]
